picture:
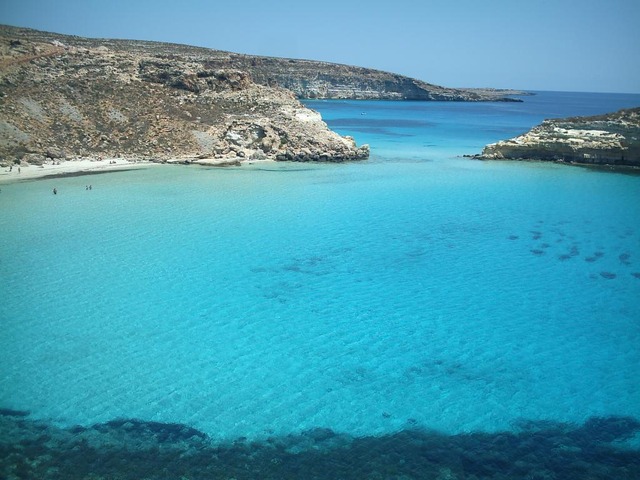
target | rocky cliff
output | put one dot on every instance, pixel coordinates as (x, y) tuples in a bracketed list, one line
[(64, 97), (611, 139), (310, 79)]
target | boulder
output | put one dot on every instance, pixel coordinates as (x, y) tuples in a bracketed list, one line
[(34, 159), (55, 153)]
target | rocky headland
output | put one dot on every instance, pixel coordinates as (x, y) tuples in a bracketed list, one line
[(610, 139), (67, 97)]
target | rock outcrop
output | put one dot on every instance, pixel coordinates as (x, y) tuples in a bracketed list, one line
[(64, 97), (611, 139)]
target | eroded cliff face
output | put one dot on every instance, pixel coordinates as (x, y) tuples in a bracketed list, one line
[(85, 98), (309, 79), (612, 139)]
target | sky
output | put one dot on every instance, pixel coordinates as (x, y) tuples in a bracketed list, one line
[(562, 45)]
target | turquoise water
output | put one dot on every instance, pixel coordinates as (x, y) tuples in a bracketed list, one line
[(432, 130), (418, 289)]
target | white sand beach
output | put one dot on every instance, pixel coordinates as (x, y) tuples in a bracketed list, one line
[(17, 173)]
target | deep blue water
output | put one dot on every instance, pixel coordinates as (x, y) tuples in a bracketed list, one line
[(417, 298)]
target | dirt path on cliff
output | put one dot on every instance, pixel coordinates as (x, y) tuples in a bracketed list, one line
[(9, 61)]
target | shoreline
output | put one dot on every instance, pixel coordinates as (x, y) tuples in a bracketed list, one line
[(624, 168), (85, 166), (91, 166)]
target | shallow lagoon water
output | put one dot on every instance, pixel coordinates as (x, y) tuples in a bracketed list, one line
[(416, 290)]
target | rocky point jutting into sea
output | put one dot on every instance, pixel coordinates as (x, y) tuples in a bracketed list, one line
[(611, 139), (68, 97)]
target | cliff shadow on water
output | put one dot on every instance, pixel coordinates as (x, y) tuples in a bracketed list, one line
[(134, 449)]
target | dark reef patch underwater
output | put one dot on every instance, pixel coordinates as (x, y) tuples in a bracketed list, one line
[(135, 449)]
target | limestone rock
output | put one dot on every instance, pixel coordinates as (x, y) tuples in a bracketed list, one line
[(34, 159), (611, 139), (68, 96), (55, 153)]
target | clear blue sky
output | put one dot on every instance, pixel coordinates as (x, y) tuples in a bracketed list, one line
[(571, 45)]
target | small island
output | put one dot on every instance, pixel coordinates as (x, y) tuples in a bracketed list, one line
[(611, 139)]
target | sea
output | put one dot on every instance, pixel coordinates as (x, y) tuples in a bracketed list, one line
[(420, 313)]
